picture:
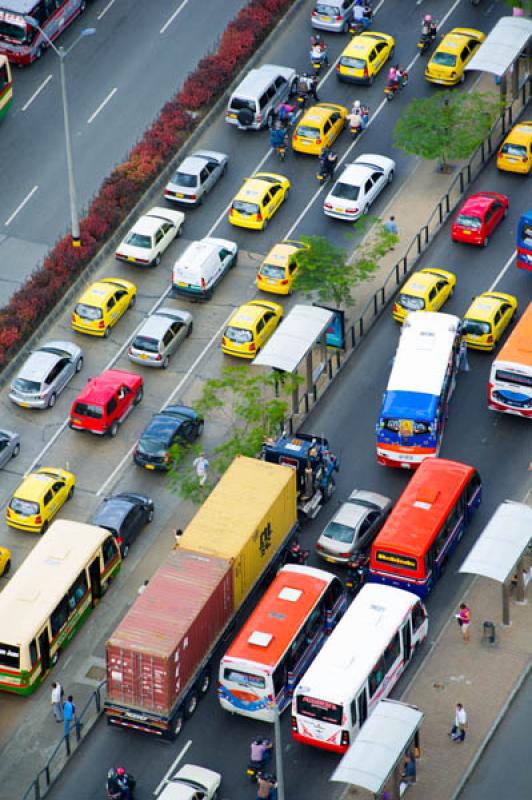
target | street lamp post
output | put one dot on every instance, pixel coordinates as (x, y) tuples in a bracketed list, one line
[(278, 753), (61, 53)]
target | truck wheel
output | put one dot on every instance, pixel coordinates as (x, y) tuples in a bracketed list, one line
[(191, 704), (329, 490), (204, 682), (177, 725)]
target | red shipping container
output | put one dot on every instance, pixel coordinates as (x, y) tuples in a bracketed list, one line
[(168, 631)]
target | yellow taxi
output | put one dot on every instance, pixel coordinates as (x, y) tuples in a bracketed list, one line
[(278, 270), (364, 56), (250, 327), (38, 499), (5, 560), (487, 318), (447, 63), (258, 200), (318, 128), (102, 304), (515, 153), (426, 290)]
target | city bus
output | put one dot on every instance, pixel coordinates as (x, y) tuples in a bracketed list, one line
[(279, 640), (425, 525), (510, 382), (22, 42), (421, 383), (6, 86), (49, 597), (524, 241), (358, 665)]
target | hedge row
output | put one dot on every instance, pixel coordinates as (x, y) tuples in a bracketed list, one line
[(125, 185)]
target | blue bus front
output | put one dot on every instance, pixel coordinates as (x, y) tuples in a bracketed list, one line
[(524, 241), (409, 428)]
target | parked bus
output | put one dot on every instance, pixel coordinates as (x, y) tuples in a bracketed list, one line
[(425, 525), (6, 86), (358, 665), (524, 241), (421, 383), (49, 598), (279, 640), (510, 383), (22, 42)]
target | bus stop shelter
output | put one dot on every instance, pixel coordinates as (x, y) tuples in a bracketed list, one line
[(509, 39), (500, 551), (294, 341), (374, 761)]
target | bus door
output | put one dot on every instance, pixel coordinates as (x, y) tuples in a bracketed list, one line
[(406, 638), (44, 647), (95, 580), (362, 707)]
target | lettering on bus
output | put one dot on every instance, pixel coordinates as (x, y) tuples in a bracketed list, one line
[(322, 710), (265, 539), (396, 560), (9, 656)]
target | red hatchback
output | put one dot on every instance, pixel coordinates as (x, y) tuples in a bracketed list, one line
[(106, 401), (478, 218)]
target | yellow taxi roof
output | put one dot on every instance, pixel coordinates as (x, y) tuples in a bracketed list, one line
[(97, 293), (246, 316), (34, 486), (520, 133), (253, 190), (455, 39), (483, 308), (280, 253), (361, 45), (419, 284)]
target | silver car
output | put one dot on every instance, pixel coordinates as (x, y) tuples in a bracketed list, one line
[(332, 15), (354, 526), (9, 446), (196, 176), (159, 336), (45, 374)]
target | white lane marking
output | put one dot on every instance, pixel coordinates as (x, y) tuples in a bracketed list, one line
[(102, 105), (178, 10), (36, 93), (46, 447), (172, 767), (105, 10), (21, 206), (503, 272)]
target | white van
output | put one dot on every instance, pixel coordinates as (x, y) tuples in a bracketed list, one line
[(255, 100), (201, 267)]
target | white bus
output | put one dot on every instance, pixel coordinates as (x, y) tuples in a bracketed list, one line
[(358, 666), (49, 597), (510, 383)]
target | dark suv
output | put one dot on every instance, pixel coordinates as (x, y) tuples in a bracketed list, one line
[(173, 425), (124, 515)]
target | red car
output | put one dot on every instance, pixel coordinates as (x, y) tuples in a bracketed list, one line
[(106, 401), (478, 218)]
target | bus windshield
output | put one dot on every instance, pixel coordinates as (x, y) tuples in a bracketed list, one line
[(319, 709)]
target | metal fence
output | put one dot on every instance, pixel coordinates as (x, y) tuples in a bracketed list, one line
[(421, 241)]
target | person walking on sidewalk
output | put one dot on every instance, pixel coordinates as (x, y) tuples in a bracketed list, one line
[(57, 708), (69, 714), (464, 620), (458, 730), (391, 226)]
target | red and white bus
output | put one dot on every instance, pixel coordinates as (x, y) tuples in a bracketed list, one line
[(425, 525), (279, 640), (510, 383), (22, 42), (358, 665)]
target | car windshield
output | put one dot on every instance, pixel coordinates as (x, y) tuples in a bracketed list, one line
[(146, 344), (476, 327), (184, 179), (24, 507), (138, 240), (518, 150), (346, 191), (238, 335), (10, 30), (153, 447), (272, 271), (339, 532), (88, 410), (330, 11), (319, 709), (411, 303), (245, 208), (354, 63), (22, 385), (468, 221), (444, 59), (88, 312), (308, 132)]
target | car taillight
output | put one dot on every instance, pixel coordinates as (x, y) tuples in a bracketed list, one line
[(259, 217), (345, 739), (344, 555), (158, 357), (193, 197), (319, 546), (142, 261), (285, 282), (101, 324), (339, 18), (453, 74), (38, 519), (490, 339), (294, 724), (231, 211), (73, 316), (396, 306), (224, 340), (119, 540), (136, 451), (327, 205), (202, 283), (318, 141), (259, 117), (524, 159), (251, 347), (166, 458), (351, 210), (8, 511), (314, 12), (366, 73)]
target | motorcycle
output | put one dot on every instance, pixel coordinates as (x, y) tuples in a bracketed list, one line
[(357, 574), (256, 768), (296, 555), (120, 788), (426, 39), (393, 87), (326, 169), (318, 60)]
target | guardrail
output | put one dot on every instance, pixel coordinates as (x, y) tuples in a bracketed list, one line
[(421, 241)]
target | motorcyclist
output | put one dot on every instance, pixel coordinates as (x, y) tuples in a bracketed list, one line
[(266, 787), (261, 751), (355, 117), (277, 136), (114, 790), (319, 53), (286, 115), (393, 75), (327, 162), (360, 17), (126, 783), (428, 27)]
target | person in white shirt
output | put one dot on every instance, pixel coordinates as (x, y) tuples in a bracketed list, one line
[(201, 465), (458, 731), (56, 701)]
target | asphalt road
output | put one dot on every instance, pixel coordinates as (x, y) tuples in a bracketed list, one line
[(141, 53)]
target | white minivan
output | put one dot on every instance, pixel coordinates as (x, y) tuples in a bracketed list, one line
[(201, 267)]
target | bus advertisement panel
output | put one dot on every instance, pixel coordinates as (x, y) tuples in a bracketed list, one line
[(425, 526), (524, 241), (6, 86), (421, 383), (279, 640), (20, 38), (358, 665), (510, 382)]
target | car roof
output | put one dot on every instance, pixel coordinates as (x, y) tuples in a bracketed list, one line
[(419, 283), (355, 174), (162, 426), (148, 225), (37, 366), (34, 486), (350, 514), (364, 42), (455, 38), (155, 326), (478, 202), (280, 253), (98, 293), (112, 512), (253, 190), (483, 308), (520, 133), (99, 388), (246, 316), (192, 165), (319, 113)]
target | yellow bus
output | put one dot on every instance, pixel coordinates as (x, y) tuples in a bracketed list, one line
[(49, 598), (6, 86)]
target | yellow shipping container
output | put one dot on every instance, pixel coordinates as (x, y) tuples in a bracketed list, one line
[(245, 519)]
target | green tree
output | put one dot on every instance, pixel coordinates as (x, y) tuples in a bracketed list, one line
[(252, 405), (446, 126), (327, 272)]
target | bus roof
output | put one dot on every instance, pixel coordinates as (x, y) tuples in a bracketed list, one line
[(422, 357), (44, 577), (353, 648), (18, 6), (268, 632), (518, 347), (423, 507)]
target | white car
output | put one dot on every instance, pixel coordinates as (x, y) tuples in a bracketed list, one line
[(192, 782), (150, 236), (196, 176), (358, 186)]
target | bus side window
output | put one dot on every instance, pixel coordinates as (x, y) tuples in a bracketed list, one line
[(472, 486), (33, 652), (280, 676), (376, 677), (353, 712), (314, 623), (297, 649), (109, 550), (392, 652), (334, 592), (362, 701), (59, 616), (77, 591), (418, 617)]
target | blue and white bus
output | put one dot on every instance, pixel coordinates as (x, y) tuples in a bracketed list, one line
[(421, 383)]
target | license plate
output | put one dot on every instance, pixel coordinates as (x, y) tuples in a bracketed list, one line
[(272, 281), (466, 233), (513, 160), (149, 466), (329, 560), (233, 116), (325, 19), (307, 141), (143, 356), (339, 210), (181, 283), (130, 258), (24, 405), (178, 194), (474, 336)]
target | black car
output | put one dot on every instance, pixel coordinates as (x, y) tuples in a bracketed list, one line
[(172, 425), (124, 515)]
